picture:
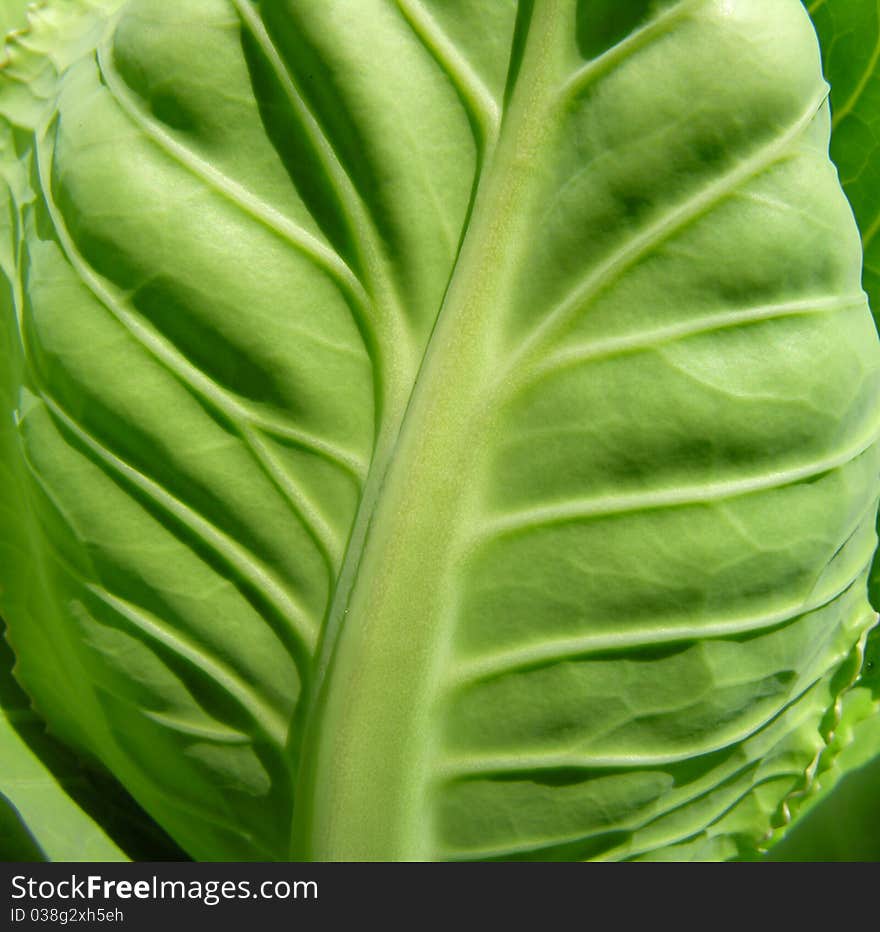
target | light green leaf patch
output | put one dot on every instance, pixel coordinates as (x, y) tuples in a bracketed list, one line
[(12, 15)]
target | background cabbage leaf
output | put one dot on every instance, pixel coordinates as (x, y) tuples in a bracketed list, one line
[(432, 434)]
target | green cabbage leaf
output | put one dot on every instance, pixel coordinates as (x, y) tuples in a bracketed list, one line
[(844, 804), (435, 430)]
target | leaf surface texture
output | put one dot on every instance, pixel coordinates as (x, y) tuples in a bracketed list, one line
[(431, 432)]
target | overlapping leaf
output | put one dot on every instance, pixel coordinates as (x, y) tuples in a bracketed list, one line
[(39, 820)]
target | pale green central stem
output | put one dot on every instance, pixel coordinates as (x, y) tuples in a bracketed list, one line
[(362, 790)]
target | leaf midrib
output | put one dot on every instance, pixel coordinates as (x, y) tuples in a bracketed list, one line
[(364, 761)]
